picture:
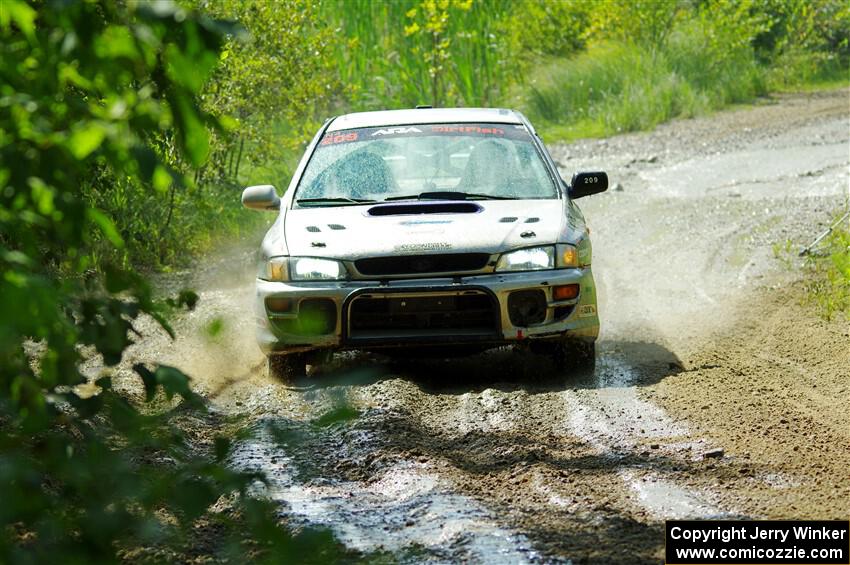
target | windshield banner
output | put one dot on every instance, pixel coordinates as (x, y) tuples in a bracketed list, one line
[(506, 131)]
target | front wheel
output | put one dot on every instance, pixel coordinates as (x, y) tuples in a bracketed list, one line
[(570, 354), (288, 367)]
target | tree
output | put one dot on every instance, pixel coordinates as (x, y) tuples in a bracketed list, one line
[(85, 88), (274, 83)]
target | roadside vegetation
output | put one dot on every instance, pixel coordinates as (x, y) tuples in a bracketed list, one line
[(98, 101), (828, 273), (127, 130)]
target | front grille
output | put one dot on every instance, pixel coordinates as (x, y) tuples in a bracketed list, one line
[(470, 313), (422, 264)]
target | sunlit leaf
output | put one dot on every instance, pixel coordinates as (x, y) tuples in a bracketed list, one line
[(161, 179), (86, 138), (42, 195), (214, 328), (189, 69), (115, 42), (192, 134), (106, 225), (21, 14)]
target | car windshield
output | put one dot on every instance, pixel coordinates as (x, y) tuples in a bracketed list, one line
[(457, 161)]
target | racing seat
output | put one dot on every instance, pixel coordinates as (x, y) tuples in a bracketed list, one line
[(489, 168), (364, 175)]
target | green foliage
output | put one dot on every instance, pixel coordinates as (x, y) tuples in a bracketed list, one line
[(610, 89), (439, 52), (586, 67), (282, 71), (712, 55), (816, 26), (805, 42), (547, 28), (91, 93), (828, 269), (645, 23)]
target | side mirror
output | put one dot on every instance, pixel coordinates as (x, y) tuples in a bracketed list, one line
[(585, 184), (261, 197)]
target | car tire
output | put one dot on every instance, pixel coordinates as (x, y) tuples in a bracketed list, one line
[(576, 354), (288, 367), (572, 354)]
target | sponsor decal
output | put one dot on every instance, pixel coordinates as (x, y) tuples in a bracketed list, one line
[(335, 138), (396, 131), (468, 129), (439, 246), (421, 130), (586, 310)]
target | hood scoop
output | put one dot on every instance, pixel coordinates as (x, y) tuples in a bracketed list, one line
[(409, 209)]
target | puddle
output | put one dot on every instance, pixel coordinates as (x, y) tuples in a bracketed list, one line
[(615, 421), (611, 415), (409, 510), (616, 418), (665, 500)]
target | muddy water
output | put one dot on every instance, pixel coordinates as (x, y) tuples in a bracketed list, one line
[(498, 458), (408, 509)]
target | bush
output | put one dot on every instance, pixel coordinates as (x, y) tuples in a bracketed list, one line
[(95, 98), (662, 61), (704, 62), (609, 89)]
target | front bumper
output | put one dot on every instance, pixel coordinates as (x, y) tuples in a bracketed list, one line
[(284, 332)]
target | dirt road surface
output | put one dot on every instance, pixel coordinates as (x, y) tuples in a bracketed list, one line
[(716, 393)]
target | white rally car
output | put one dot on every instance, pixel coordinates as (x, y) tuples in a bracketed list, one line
[(426, 229)]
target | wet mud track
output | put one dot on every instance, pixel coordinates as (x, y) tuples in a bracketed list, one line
[(499, 458)]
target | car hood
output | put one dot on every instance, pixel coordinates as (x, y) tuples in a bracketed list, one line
[(352, 232)]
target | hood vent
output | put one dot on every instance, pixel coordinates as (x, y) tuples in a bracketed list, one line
[(508, 219), (424, 208)]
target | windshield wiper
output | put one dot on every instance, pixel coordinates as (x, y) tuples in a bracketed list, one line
[(449, 195), (337, 200)]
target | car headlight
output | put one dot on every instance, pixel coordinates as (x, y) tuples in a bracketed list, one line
[(314, 269), (530, 259), (301, 269)]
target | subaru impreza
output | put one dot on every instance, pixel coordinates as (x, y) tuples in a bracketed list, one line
[(428, 231)]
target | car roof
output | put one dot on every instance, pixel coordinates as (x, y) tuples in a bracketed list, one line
[(425, 116)]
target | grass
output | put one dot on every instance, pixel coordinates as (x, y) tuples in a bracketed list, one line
[(828, 273), (389, 59), (817, 85), (614, 88)]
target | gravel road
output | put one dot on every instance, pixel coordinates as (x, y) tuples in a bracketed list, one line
[(716, 393)]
